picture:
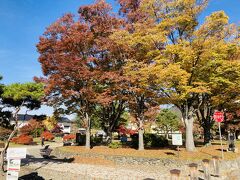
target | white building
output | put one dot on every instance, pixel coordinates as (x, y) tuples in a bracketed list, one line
[(65, 125)]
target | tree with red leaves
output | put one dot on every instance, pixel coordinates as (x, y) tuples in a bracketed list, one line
[(75, 56)]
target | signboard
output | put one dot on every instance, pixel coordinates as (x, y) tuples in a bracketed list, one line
[(16, 153), (12, 175), (13, 164), (177, 139), (218, 116)]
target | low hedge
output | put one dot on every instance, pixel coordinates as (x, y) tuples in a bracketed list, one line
[(48, 136), (150, 141)]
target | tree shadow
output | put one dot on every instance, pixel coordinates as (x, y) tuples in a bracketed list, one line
[(170, 153), (199, 144), (224, 150), (32, 176), (44, 161)]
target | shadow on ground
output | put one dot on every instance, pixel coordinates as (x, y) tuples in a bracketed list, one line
[(224, 150), (32, 176), (53, 159)]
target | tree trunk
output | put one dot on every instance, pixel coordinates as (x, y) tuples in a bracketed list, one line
[(140, 135), (166, 135), (109, 134), (6, 147), (190, 146), (207, 132), (10, 137), (88, 133)]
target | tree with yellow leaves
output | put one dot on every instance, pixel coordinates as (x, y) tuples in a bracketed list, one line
[(196, 68)]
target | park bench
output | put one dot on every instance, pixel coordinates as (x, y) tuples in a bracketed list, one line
[(45, 152)]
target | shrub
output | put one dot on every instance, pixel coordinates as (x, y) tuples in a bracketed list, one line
[(96, 140), (4, 133), (37, 132), (57, 129), (23, 139), (115, 145), (69, 137), (26, 129), (150, 140), (47, 136), (33, 128), (154, 140)]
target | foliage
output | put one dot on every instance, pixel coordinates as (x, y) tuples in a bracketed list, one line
[(122, 130), (109, 117), (23, 139), (190, 66), (150, 141), (33, 127), (81, 74), (167, 121), (96, 140), (16, 96), (26, 94), (69, 137), (57, 129), (48, 136), (81, 123), (153, 140), (50, 123), (5, 118), (154, 52), (4, 133), (115, 145), (26, 129)]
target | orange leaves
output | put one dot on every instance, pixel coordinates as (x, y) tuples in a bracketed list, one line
[(77, 58), (47, 136), (69, 137), (23, 139)]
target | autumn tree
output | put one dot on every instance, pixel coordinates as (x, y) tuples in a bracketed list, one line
[(17, 96), (74, 54), (33, 127), (195, 67)]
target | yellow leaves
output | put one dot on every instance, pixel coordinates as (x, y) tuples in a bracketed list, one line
[(172, 75), (198, 88), (215, 25), (169, 53), (219, 17), (50, 122)]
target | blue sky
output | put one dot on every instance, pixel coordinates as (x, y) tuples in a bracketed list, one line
[(23, 21)]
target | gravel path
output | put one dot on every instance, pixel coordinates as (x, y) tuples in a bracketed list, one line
[(63, 169)]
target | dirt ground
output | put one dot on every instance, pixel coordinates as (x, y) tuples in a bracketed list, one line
[(200, 153)]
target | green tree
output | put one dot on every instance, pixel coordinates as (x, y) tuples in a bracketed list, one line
[(167, 121), (4, 115), (20, 95)]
